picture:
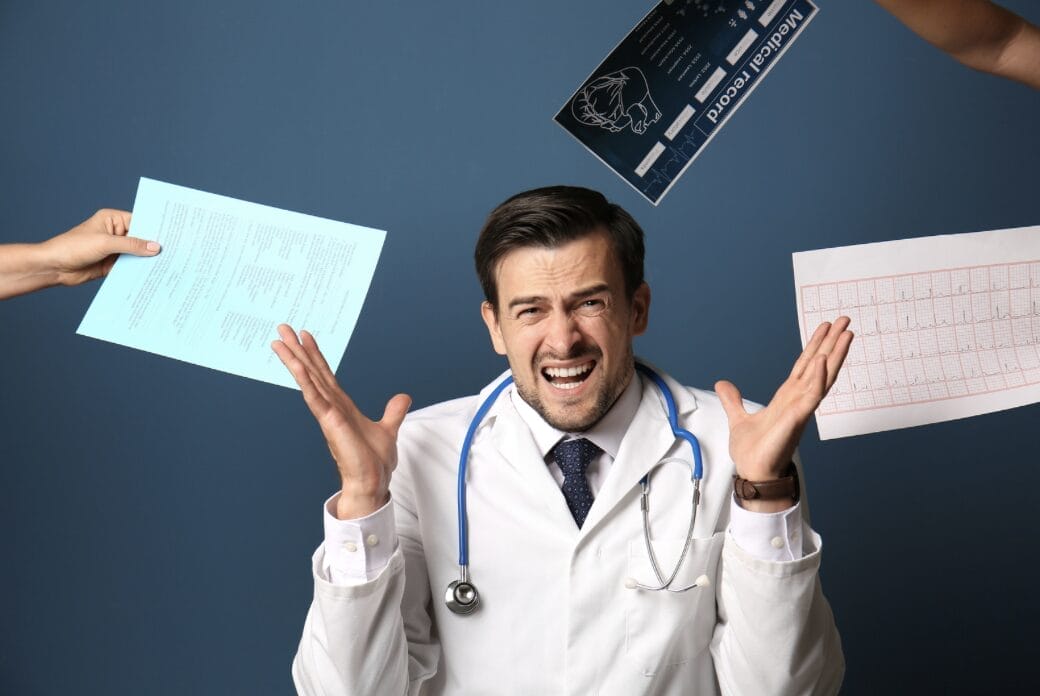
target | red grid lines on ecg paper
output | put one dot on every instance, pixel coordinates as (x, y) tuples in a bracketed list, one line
[(931, 336)]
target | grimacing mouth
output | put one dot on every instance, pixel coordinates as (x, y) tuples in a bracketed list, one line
[(570, 376)]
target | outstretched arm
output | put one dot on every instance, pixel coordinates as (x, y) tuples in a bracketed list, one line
[(85, 252), (775, 631), (354, 641), (978, 33)]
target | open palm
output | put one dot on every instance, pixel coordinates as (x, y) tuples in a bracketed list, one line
[(365, 451), (761, 444)]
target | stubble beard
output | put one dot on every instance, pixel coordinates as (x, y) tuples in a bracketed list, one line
[(605, 399)]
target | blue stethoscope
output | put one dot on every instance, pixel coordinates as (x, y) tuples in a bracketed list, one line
[(462, 596)]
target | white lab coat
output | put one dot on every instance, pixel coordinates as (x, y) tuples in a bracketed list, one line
[(555, 616)]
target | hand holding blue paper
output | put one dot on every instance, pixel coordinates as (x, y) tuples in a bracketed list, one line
[(230, 273)]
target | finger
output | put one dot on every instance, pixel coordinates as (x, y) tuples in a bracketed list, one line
[(836, 358), (133, 245), (124, 221), (321, 371), (732, 403), (818, 377), (110, 221), (317, 357), (292, 344), (118, 221), (810, 350), (106, 265), (395, 412), (306, 350), (287, 334), (315, 401), (836, 330)]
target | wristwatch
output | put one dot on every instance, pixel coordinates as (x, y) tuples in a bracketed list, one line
[(787, 486)]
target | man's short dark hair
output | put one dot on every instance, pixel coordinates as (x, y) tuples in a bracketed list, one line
[(551, 217)]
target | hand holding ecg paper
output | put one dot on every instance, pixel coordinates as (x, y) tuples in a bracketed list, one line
[(946, 327)]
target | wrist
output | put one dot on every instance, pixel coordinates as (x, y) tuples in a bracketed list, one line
[(25, 268), (772, 494), (765, 506), (352, 506), (47, 260)]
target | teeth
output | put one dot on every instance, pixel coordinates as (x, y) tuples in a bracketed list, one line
[(566, 385), (568, 371)]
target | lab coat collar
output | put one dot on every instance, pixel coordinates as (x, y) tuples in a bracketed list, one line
[(513, 439), (647, 440), (606, 434)]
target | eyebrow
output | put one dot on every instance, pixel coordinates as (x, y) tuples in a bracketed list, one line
[(584, 292)]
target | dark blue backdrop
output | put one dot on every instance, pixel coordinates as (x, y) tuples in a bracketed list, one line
[(157, 518)]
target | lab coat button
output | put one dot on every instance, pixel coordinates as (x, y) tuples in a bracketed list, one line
[(777, 542), (350, 546), (372, 540)]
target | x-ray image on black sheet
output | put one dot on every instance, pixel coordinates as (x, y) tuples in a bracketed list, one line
[(671, 84)]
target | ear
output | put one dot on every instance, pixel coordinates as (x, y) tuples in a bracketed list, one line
[(494, 330), (640, 309)]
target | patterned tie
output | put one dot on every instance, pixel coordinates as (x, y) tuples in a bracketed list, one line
[(573, 457)]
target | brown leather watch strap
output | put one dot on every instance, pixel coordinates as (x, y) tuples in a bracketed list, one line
[(787, 486)]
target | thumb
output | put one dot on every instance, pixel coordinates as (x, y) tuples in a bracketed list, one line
[(134, 246), (395, 411), (732, 403)]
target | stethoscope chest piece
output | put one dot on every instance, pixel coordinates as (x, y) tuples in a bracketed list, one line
[(461, 597)]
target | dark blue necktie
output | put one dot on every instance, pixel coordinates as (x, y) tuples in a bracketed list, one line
[(573, 457)]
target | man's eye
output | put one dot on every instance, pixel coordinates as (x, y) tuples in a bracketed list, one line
[(527, 312), (594, 306)]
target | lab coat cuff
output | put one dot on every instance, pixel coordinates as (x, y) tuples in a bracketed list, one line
[(770, 536), (736, 557), (356, 551), (327, 589)]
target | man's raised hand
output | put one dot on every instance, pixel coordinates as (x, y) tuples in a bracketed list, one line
[(762, 443), (365, 451)]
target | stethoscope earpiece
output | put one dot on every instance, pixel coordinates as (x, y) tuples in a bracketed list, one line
[(461, 597)]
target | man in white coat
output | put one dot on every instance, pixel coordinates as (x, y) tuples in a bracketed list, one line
[(557, 543)]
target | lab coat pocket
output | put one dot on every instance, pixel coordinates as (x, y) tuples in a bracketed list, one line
[(662, 628)]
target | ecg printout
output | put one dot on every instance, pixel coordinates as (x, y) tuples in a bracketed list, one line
[(945, 327), (229, 272)]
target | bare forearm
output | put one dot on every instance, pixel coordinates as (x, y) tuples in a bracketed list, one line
[(25, 268), (978, 33)]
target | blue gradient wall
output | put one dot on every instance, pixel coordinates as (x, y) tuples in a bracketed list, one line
[(157, 519)]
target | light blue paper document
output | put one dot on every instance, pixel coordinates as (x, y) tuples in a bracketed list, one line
[(229, 272)]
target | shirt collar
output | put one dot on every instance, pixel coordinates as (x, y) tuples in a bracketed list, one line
[(606, 434)]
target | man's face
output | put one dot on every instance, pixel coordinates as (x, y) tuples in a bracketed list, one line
[(566, 326)]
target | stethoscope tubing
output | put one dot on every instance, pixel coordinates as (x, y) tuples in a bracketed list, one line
[(673, 420), (463, 461), (461, 605)]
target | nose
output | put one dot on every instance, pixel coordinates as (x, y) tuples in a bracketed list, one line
[(563, 334)]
